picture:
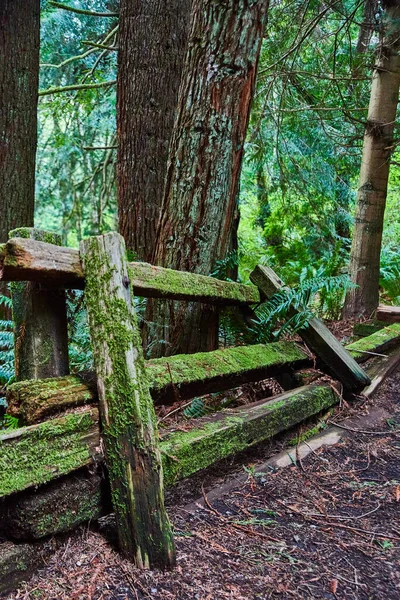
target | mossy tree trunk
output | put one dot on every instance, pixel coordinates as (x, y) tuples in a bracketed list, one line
[(126, 408), (40, 322), (152, 45), (19, 77), (377, 150), (200, 202)]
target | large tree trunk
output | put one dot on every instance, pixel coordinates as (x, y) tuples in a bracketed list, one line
[(19, 77), (200, 203), (152, 44), (377, 149)]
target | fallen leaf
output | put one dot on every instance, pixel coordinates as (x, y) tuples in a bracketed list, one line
[(334, 585), (397, 493)]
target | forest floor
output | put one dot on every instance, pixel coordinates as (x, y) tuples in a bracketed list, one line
[(326, 527)]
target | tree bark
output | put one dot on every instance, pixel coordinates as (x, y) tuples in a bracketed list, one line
[(152, 44), (200, 201), (377, 149), (19, 79)]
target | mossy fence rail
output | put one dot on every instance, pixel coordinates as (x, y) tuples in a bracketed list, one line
[(52, 474)]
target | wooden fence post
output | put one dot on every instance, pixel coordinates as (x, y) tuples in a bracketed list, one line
[(40, 321), (127, 414), (317, 336)]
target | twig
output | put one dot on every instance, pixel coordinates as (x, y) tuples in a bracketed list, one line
[(389, 432), (78, 86), (344, 518), (372, 353)]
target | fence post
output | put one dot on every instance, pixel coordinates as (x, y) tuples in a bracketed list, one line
[(40, 321), (127, 414)]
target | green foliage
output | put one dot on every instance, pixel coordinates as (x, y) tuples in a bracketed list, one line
[(6, 345), (79, 348), (196, 409), (390, 274)]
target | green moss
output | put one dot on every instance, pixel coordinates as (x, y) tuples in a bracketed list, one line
[(42, 452), (185, 453), (179, 283), (385, 338), (40, 235), (185, 368)]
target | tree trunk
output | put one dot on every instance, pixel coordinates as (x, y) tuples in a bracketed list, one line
[(152, 44), (377, 149), (19, 78), (200, 202)]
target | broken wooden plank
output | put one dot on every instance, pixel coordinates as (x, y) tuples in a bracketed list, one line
[(317, 336), (388, 314), (182, 375), (129, 428), (30, 260), (35, 455), (231, 431), (377, 343), (380, 370)]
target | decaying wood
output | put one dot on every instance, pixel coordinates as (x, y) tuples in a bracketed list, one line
[(30, 260), (379, 342), (187, 375), (183, 453), (128, 420), (40, 322), (379, 372), (35, 455), (388, 314), (317, 336)]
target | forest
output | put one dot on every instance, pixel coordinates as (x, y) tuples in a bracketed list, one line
[(181, 178)]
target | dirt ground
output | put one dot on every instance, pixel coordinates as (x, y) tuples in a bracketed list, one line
[(326, 527)]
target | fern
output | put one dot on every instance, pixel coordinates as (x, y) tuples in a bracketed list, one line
[(6, 344), (390, 274)]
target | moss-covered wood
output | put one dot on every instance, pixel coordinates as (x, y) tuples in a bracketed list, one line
[(55, 508), (34, 401), (388, 314), (317, 336), (29, 260), (37, 454), (127, 413), (40, 322), (183, 375), (378, 342), (229, 432), (18, 562)]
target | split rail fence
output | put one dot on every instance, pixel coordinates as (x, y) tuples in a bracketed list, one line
[(52, 468)]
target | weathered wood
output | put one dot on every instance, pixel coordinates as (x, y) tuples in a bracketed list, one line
[(378, 342), (126, 407), (29, 260), (40, 322), (381, 370), (367, 328), (55, 508), (216, 437), (18, 562), (317, 336), (35, 455), (231, 431), (388, 314), (183, 375)]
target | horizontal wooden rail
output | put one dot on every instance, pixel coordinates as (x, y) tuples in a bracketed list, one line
[(41, 453), (29, 260), (378, 342), (388, 314), (181, 376)]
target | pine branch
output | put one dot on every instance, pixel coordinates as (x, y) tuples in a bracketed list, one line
[(81, 11)]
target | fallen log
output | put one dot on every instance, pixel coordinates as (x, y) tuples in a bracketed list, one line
[(19, 561), (30, 260), (388, 314), (184, 376)]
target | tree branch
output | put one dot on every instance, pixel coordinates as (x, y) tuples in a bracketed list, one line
[(81, 11), (79, 86)]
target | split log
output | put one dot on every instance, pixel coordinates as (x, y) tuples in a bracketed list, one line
[(126, 407), (232, 431), (388, 314), (35, 455), (317, 336), (40, 322), (30, 260), (379, 342), (55, 508), (184, 376)]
